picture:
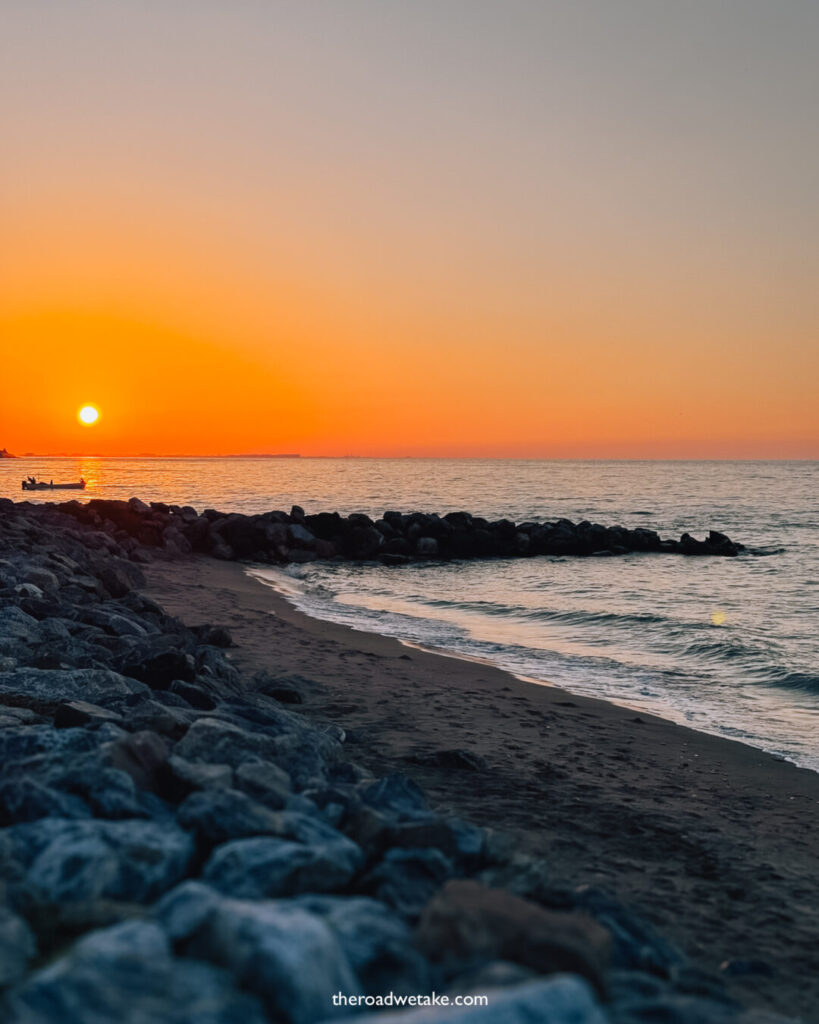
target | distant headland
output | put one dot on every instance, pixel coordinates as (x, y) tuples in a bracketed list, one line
[(4, 454)]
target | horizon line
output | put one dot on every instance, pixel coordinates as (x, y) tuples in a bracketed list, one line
[(407, 458)]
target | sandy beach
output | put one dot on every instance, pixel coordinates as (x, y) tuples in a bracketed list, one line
[(714, 842)]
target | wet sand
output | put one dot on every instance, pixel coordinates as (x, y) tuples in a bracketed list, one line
[(712, 841)]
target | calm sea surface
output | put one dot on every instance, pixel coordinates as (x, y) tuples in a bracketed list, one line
[(725, 645)]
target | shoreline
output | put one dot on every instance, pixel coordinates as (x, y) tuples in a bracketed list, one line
[(443, 652), (713, 841)]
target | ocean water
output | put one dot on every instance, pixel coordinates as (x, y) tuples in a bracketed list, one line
[(729, 646)]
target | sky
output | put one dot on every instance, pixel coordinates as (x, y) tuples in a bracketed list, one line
[(563, 228)]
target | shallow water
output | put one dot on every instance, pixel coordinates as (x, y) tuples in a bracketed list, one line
[(725, 645)]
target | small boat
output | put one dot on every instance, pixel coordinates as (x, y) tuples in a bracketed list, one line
[(40, 485)]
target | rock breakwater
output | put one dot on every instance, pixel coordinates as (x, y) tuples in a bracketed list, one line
[(395, 539), (177, 845)]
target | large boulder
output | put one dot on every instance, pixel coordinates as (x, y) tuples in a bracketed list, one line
[(266, 867), (219, 814), (285, 954), (67, 861), (128, 973), (377, 943), (97, 686)]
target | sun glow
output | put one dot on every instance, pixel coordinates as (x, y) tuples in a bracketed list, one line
[(88, 415)]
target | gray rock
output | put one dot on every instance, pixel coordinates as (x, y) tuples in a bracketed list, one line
[(396, 794), (127, 973), (286, 955), (17, 947), (219, 814), (30, 748), (377, 943), (97, 686), (462, 842), (562, 1000), (127, 860), (190, 775), (81, 712), (255, 868), (265, 782), (286, 741), (42, 578), (109, 792), (18, 627), (24, 799), (408, 879)]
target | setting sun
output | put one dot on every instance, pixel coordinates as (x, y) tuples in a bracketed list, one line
[(88, 415)]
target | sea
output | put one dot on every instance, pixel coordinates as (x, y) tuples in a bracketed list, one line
[(729, 646)]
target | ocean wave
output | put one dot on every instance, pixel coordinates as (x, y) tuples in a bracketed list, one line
[(808, 682), (572, 617)]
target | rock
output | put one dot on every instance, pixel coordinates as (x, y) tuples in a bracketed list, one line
[(27, 800), (42, 578), (159, 669), (265, 782), (192, 694), (219, 742), (127, 973), (636, 944), (109, 793), (79, 712), (295, 746), (214, 636), (408, 879), (378, 945), (18, 627), (17, 947), (396, 794), (462, 842), (86, 860), (191, 775), (301, 537), (286, 955), (97, 686), (469, 922), (219, 814), (142, 755), (426, 547), (564, 1000), (258, 868)]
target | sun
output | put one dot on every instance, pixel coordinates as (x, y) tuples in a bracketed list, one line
[(88, 415)]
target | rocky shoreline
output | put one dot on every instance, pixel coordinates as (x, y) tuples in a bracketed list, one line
[(181, 843), (395, 539)]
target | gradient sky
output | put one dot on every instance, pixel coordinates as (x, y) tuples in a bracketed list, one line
[(577, 228)]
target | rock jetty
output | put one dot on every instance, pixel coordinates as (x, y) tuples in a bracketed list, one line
[(395, 539), (179, 846)]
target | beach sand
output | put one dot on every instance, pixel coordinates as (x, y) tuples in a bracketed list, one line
[(712, 841)]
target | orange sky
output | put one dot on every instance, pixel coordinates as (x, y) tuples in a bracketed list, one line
[(431, 230)]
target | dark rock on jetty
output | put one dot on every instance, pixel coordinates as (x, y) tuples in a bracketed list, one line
[(395, 539), (178, 846)]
